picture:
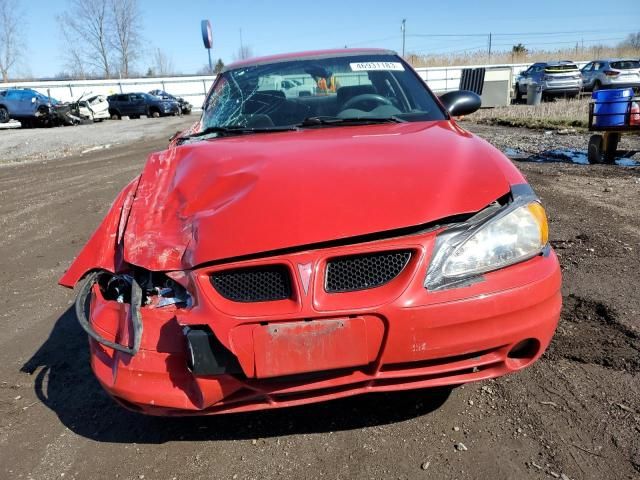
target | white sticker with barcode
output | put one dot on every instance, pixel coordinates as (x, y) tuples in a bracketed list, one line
[(376, 66)]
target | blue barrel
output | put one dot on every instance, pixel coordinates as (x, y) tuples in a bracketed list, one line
[(610, 106)]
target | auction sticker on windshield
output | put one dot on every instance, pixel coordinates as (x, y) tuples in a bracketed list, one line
[(369, 66)]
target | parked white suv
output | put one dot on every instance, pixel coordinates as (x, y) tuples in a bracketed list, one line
[(612, 73)]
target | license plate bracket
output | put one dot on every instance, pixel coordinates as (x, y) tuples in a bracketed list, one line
[(309, 346)]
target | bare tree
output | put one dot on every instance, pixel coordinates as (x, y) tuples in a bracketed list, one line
[(11, 39), (88, 24), (244, 52), (632, 41), (126, 20), (162, 64), (74, 56)]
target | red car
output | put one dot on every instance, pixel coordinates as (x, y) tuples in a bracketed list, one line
[(300, 246)]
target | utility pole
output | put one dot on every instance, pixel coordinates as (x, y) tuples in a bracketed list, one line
[(489, 47), (404, 29)]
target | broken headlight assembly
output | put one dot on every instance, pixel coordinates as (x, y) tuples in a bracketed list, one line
[(494, 239), (138, 288)]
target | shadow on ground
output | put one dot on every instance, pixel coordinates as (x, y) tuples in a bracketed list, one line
[(65, 383)]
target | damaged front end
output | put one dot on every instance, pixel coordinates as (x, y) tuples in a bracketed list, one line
[(56, 115), (136, 289)]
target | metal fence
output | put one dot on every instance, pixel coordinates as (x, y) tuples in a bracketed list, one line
[(195, 88)]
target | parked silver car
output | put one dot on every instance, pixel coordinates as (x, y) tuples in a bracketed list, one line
[(555, 78), (611, 73)]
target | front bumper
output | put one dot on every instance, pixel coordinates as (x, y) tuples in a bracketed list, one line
[(395, 337)]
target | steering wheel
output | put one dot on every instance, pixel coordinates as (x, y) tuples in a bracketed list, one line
[(365, 98)]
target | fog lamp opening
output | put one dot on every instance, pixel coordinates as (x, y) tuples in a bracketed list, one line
[(523, 353)]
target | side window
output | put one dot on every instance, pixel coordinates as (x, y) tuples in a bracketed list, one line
[(597, 65), (588, 67)]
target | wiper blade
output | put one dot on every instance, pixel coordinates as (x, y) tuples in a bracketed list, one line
[(324, 120), (233, 130)]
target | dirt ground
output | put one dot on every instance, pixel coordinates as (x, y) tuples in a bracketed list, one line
[(574, 414)]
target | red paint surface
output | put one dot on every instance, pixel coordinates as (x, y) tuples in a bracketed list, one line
[(230, 197)]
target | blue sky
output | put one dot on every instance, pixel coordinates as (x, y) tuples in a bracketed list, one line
[(275, 26)]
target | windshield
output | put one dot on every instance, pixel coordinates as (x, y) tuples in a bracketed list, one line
[(346, 87)]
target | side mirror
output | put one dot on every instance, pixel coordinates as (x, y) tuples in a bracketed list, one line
[(461, 102)]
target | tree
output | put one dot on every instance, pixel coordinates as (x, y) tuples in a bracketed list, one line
[(519, 49), (11, 39), (162, 64), (87, 31), (632, 41), (219, 66), (101, 36), (243, 53), (126, 19)]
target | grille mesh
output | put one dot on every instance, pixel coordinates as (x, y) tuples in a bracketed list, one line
[(255, 284), (360, 272)]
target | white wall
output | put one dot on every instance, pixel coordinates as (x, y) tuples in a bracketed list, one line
[(194, 88)]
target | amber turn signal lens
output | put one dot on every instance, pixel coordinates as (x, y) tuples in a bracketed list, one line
[(540, 215)]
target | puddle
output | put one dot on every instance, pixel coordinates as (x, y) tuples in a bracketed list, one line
[(564, 155)]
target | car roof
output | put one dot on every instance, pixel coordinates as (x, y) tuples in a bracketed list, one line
[(339, 52), (556, 62), (616, 60)]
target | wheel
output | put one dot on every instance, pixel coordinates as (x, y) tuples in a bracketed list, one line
[(517, 94), (611, 147), (115, 115), (154, 114), (4, 115), (595, 153)]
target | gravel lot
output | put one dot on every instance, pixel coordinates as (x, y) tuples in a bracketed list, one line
[(574, 414), (29, 145)]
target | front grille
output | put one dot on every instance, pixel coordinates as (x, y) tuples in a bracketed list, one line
[(253, 284), (360, 272)]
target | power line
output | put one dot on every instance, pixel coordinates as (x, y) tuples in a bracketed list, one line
[(574, 32)]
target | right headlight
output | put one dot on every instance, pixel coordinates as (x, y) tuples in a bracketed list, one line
[(515, 233)]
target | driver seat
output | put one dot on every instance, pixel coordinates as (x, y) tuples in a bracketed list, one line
[(345, 93)]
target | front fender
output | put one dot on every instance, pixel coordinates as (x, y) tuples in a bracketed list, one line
[(102, 251)]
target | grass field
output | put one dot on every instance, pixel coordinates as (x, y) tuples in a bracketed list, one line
[(551, 115), (502, 57)]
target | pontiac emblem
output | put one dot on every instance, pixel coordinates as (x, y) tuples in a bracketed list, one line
[(305, 275)]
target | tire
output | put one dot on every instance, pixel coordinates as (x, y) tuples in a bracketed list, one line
[(517, 94), (154, 113), (595, 152), (4, 115), (115, 115), (611, 148)]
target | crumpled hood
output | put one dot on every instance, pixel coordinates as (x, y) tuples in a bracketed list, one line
[(229, 197)]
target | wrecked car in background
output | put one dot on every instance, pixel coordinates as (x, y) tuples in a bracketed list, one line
[(287, 250), (91, 107), (185, 107), (33, 109)]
